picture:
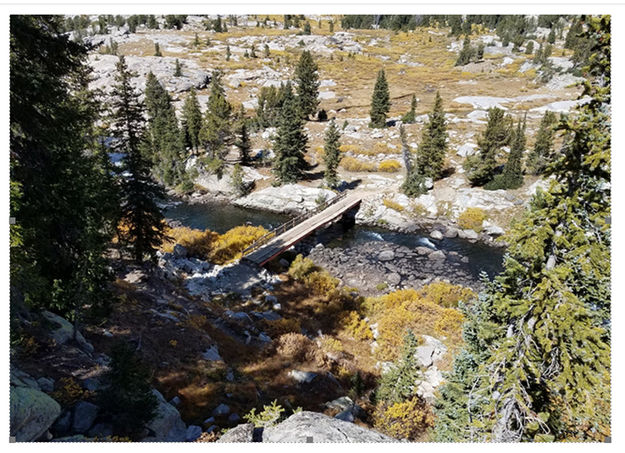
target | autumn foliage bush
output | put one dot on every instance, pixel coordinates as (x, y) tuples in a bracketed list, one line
[(211, 246), (445, 294), (408, 419), (398, 311), (389, 166), (299, 348), (352, 164), (357, 327), (472, 219)]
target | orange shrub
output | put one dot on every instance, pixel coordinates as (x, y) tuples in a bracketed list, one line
[(294, 346)]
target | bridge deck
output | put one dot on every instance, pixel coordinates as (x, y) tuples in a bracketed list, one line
[(285, 240)]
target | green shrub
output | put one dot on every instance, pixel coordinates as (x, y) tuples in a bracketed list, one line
[(127, 395), (301, 267)]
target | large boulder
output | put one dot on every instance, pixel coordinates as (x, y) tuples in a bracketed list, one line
[(62, 331), (32, 413), (166, 426), (85, 414), (319, 428)]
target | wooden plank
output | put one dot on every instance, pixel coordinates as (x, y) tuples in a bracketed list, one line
[(282, 242)]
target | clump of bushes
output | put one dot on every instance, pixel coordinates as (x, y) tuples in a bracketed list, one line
[(398, 311), (408, 419), (357, 327), (319, 281), (445, 294), (352, 164), (472, 219), (300, 267), (208, 245), (197, 242), (299, 348), (389, 166)]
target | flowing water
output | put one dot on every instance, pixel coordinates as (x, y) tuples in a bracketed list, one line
[(221, 217)]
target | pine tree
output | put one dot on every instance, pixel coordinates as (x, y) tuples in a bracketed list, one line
[(243, 139), (466, 53), (512, 175), (331, 154), (178, 70), (307, 85), (542, 325), (228, 54), (306, 30), (164, 140), (62, 195), (291, 141), (380, 102), (331, 25), (414, 184), (529, 48), (192, 120), (267, 53), (126, 395), (152, 24), (539, 157), (482, 168), (409, 117), (433, 146), (551, 39), (196, 41), (157, 50), (140, 214), (253, 51), (216, 133)]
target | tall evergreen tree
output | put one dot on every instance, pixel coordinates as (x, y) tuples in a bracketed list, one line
[(291, 141), (157, 50), (62, 199), (331, 154), (142, 221), (307, 84), (414, 184), (242, 138), (433, 146), (192, 120), (466, 53), (539, 157), (512, 175), (216, 133), (165, 141), (482, 168), (178, 70), (380, 102), (537, 360)]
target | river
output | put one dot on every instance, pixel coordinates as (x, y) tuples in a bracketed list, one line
[(221, 217)]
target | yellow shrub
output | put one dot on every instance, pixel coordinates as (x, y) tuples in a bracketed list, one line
[(345, 148), (409, 419), (393, 205), (353, 164), (321, 283), (398, 311), (357, 327), (282, 326), (445, 294), (389, 166), (300, 267), (197, 242), (69, 392), (229, 245), (330, 344), (472, 219)]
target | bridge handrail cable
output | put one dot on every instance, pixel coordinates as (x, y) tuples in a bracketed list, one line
[(258, 243)]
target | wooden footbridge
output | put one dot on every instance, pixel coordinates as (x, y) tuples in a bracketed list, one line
[(289, 233)]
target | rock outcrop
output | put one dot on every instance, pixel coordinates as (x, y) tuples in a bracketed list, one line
[(167, 426), (32, 411), (306, 427)]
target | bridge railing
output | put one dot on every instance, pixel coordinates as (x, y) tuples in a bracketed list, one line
[(264, 239)]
